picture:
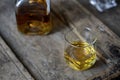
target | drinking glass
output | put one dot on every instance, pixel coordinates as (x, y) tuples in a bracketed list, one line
[(102, 5), (80, 53)]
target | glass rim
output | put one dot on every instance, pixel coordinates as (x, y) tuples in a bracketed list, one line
[(70, 42)]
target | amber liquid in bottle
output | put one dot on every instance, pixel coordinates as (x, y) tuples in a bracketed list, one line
[(33, 17)]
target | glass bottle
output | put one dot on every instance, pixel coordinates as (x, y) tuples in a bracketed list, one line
[(33, 16), (102, 5)]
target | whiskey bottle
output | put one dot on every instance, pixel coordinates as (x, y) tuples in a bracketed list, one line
[(33, 17)]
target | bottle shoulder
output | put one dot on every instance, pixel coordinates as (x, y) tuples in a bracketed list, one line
[(31, 3)]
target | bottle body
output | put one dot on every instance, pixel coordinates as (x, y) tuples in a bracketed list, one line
[(33, 16)]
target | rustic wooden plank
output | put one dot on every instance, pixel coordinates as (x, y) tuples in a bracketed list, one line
[(91, 21), (10, 66), (77, 20), (43, 55), (109, 17)]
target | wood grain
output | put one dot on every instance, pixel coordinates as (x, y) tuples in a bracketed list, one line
[(105, 37), (10, 66), (44, 55)]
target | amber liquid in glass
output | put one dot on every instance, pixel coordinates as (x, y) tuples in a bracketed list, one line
[(80, 56), (33, 18)]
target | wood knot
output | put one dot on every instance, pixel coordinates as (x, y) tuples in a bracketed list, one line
[(115, 50)]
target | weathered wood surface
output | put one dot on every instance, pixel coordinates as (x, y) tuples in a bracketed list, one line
[(10, 66), (109, 17), (44, 55), (108, 43)]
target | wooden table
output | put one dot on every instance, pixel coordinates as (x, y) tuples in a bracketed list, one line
[(109, 17), (42, 57)]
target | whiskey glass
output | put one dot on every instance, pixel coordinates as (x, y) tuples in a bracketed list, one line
[(80, 53)]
